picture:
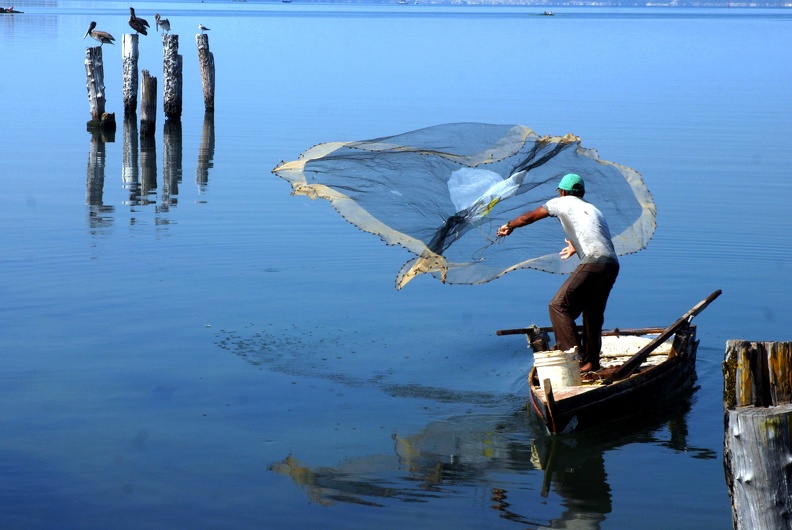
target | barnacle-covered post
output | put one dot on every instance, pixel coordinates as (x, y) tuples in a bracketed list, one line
[(172, 76), (94, 73), (129, 55), (206, 61), (757, 401)]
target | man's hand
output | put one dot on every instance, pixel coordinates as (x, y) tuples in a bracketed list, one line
[(505, 230), (567, 251)]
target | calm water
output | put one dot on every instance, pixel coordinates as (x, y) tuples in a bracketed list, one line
[(185, 345)]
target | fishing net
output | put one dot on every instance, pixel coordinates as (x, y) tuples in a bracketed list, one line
[(442, 192)]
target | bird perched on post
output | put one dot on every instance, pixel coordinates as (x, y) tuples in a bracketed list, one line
[(138, 24), (102, 36), (163, 23), (202, 28)]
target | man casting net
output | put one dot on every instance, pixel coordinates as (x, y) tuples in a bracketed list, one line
[(442, 193)]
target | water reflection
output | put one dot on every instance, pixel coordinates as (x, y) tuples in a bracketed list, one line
[(139, 169), (563, 482), (99, 214), (206, 150), (130, 175), (148, 168), (171, 162)]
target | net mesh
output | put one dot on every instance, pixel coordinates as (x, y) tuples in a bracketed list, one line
[(443, 191)]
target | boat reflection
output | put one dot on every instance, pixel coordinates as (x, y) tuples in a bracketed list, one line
[(565, 481)]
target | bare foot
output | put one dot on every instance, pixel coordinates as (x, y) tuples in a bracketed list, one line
[(588, 367)]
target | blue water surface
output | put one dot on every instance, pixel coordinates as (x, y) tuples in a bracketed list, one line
[(186, 345)]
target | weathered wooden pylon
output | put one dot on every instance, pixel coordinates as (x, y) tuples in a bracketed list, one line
[(148, 105), (129, 55), (172, 76), (94, 73), (757, 451), (206, 62)]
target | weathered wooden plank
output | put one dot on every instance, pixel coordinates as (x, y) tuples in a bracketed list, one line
[(757, 440), (757, 373), (780, 372), (605, 332), (148, 105), (757, 455)]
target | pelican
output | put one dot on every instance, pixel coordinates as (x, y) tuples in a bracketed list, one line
[(202, 28), (138, 24), (163, 23), (102, 36)]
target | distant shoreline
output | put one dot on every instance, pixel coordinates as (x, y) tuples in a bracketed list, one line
[(549, 6)]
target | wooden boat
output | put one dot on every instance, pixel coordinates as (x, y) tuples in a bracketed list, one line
[(642, 369)]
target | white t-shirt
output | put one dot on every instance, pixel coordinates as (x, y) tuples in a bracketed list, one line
[(585, 227)]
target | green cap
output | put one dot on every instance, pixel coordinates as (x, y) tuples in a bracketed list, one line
[(571, 182)]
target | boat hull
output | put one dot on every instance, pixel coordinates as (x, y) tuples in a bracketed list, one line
[(648, 390)]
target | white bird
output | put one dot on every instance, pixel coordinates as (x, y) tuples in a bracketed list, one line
[(163, 23), (202, 28)]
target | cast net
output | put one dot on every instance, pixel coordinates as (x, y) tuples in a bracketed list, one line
[(443, 191)]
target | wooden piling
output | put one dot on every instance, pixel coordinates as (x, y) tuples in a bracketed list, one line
[(129, 55), (172, 76), (148, 105), (94, 73), (757, 442), (206, 62)]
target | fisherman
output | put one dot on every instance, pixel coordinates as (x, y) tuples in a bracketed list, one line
[(587, 289)]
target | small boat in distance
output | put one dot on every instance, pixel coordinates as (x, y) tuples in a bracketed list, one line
[(642, 370)]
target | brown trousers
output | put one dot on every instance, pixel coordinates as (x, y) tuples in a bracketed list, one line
[(586, 291)]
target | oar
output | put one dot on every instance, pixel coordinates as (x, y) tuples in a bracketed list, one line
[(638, 359), (605, 332)]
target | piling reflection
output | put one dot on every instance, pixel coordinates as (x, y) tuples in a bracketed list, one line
[(139, 168), (148, 168), (99, 214), (206, 150), (565, 486), (171, 162), (130, 174)]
